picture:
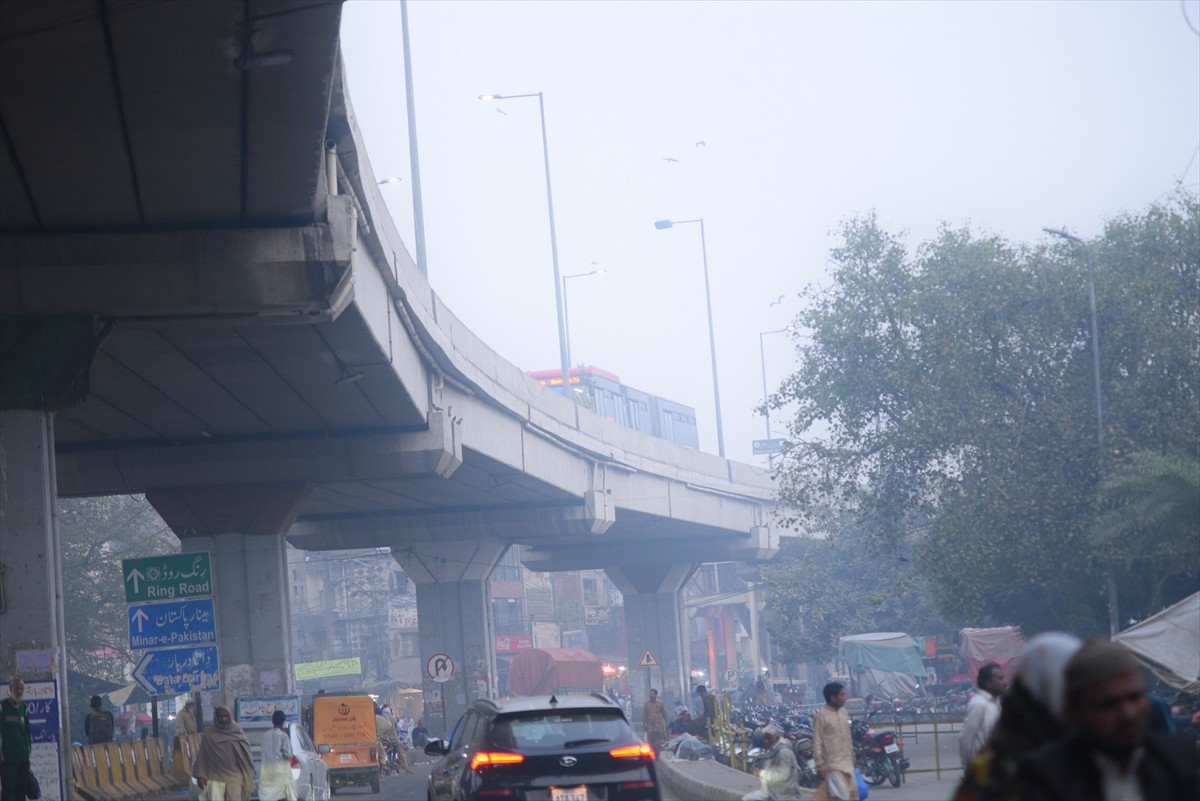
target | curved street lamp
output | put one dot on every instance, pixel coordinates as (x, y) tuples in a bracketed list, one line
[(762, 356), (558, 284), (567, 305), (1062, 233), (662, 225)]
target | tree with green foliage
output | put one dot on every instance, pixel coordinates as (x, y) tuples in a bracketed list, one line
[(96, 534), (953, 385), (820, 589)]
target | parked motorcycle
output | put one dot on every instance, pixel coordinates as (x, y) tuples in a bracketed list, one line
[(878, 754), (802, 747)]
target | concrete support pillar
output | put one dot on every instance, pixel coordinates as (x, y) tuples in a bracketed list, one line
[(243, 528), (454, 615), (31, 558), (654, 621)]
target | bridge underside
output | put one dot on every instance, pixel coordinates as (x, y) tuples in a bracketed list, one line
[(204, 299)]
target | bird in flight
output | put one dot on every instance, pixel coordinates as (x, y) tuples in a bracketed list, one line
[(777, 301), (501, 111), (670, 160), (701, 143)]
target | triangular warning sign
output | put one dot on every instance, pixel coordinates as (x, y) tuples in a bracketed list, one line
[(648, 660)]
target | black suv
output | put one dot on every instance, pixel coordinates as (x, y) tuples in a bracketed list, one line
[(543, 748)]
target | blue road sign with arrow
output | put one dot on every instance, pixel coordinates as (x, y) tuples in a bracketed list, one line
[(179, 670), (172, 625)]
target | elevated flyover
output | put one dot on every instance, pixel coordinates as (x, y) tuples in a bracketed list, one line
[(203, 299)]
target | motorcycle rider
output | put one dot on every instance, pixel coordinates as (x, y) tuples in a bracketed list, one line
[(386, 733), (779, 773)]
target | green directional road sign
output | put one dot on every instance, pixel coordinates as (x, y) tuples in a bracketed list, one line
[(168, 577)]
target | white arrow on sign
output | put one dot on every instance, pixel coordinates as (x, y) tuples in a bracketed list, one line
[(135, 576), (140, 617)]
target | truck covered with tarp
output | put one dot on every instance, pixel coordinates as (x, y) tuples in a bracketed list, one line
[(541, 671), (883, 663), (1168, 643), (1000, 645)]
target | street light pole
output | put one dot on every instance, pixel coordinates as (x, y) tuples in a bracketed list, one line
[(558, 284), (1062, 233), (762, 356), (567, 305), (712, 342)]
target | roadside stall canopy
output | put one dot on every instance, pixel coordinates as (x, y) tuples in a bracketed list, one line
[(541, 671), (1000, 645), (883, 663), (1168, 643)]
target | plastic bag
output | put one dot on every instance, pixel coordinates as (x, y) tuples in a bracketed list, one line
[(773, 778), (863, 788), (839, 790), (33, 790)]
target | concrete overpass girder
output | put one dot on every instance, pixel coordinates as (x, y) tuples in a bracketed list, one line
[(509, 524), (314, 459)]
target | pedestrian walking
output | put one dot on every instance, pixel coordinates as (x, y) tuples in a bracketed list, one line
[(16, 743), (1031, 717), (833, 747), (983, 710), (224, 768), (275, 781), (98, 725), (654, 717)]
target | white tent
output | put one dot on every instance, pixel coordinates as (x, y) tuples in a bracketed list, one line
[(1169, 644)]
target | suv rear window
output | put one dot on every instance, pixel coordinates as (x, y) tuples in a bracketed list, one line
[(567, 729)]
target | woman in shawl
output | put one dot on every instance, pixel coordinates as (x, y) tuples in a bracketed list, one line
[(1030, 717), (223, 767)]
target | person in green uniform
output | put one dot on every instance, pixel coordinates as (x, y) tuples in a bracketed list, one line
[(16, 742)]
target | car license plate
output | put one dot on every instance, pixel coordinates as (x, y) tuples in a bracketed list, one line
[(891, 748), (347, 757), (569, 793)]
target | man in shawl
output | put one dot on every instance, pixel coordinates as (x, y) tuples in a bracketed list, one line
[(223, 766), (275, 773), (779, 773), (654, 717)]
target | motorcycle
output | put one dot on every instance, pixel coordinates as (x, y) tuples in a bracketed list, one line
[(390, 763), (877, 754), (802, 747)]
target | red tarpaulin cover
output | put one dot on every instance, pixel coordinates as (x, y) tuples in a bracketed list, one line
[(1000, 645), (541, 671)]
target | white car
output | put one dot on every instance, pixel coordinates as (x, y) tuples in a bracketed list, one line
[(309, 772)]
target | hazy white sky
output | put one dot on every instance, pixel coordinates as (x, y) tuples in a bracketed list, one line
[(1009, 115)]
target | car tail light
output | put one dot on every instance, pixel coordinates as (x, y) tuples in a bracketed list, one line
[(486, 758), (295, 762), (374, 755), (642, 785), (639, 751), (496, 792)]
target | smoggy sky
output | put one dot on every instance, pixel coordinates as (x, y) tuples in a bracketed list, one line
[(784, 118)]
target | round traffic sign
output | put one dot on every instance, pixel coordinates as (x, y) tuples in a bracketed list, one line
[(440, 667)]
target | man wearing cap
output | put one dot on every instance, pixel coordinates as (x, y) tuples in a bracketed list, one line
[(185, 721), (1110, 754), (779, 773)]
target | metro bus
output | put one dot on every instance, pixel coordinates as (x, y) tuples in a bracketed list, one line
[(604, 393)]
